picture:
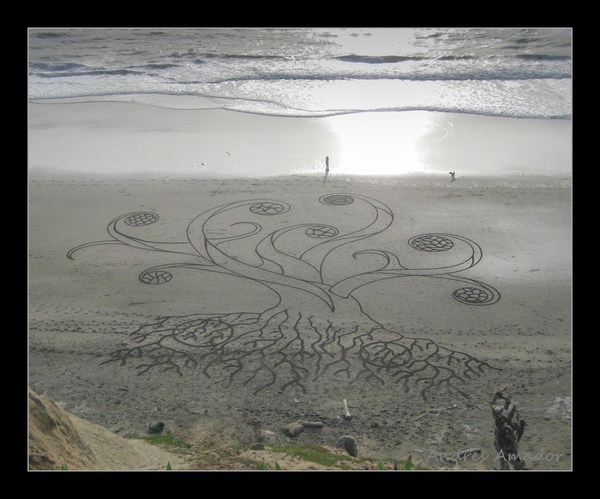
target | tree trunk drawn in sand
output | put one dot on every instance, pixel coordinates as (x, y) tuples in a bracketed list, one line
[(291, 345)]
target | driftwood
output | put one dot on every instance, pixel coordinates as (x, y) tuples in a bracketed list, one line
[(310, 424), (347, 415), (508, 430)]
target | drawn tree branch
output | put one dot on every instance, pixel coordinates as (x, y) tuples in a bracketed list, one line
[(317, 328)]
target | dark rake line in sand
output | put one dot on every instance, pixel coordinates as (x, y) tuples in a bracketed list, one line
[(292, 368), (286, 347)]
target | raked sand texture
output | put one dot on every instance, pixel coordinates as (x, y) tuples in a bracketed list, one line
[(255, 302), (193, 262)]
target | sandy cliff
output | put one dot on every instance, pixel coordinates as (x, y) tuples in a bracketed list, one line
[(58, 439)]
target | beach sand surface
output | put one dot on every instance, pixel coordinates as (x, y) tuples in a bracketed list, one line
[(132, 138), (198, 348)]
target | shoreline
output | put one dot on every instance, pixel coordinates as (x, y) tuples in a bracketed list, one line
[(112, 138), (420, 180)]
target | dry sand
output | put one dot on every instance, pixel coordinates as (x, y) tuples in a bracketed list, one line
[(235, 335), (59, 440)]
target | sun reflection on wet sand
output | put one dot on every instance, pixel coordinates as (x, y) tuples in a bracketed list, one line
[(380, 143), (391, 143)]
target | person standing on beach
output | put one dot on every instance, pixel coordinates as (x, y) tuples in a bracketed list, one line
[(326, 164), (452, 174)]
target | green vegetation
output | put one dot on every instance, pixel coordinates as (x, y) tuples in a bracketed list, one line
[(64, 467), (166, 439), (169, 467), (408, 464), (312, 453), (231, 458), (321, 455)]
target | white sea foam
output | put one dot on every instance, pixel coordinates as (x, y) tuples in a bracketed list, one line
[(388, 101), (523, 73)]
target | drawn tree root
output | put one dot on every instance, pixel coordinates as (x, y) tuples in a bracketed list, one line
[(290, 351), (317, 329)]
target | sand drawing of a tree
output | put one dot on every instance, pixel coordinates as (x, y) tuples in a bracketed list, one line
[(317, 328)]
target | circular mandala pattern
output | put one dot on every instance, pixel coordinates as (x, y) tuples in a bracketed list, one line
[(267, 208), (142, 218), (321, 231), (156, 277), (337, 200), (431, 243), (471, 296)]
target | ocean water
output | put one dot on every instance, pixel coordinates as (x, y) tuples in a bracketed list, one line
[(517, 72)]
